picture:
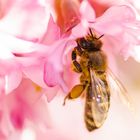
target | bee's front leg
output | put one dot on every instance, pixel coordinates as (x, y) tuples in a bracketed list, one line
[(75, 92), (77, 51)]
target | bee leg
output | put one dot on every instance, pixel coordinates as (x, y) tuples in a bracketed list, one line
[(77, 67), (75, 52), (75, 92)]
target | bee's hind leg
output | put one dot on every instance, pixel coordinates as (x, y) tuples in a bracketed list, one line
[(75, 92)]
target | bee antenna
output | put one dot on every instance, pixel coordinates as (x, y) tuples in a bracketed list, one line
[(91, 33), (100, 37)]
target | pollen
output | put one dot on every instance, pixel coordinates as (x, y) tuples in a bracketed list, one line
[(37, 87)]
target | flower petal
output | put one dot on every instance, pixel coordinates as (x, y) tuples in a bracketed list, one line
[(2, 85), (54, 76), (15, 45), (13, 80), (85, 8), (83, 28), (53, 69), (25, 19), (112, 21), (52, 34), (135, 53), (67, 13), (35, 73), (5, 6)]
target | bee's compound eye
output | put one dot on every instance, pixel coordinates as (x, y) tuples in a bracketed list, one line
[(83, 43)]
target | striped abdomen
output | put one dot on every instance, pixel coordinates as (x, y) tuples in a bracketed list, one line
[(89, 120), (96, 106)]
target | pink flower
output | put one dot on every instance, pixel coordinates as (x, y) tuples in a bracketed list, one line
[(124, 28), (118, 24), (18, 108), (27, 20), (14, 34), (35, 62), (12, 65)]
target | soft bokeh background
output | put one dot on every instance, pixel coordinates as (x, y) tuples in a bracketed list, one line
[(67, 122), (122, 122)]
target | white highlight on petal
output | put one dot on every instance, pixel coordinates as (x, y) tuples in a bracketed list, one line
[(136, 4), (5, 53), (12, 80), (11, 44), (42, 2), (136, 53), (28, 134)]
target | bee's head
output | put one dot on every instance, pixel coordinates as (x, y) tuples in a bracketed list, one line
[(89, 44)]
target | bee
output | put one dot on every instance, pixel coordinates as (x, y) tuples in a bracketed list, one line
[(90, 61)]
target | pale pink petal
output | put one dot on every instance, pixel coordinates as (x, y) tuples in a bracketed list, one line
[(87, 12), (52, 134), (52, 34), (119, 24), (82, 28), (26, 19), (26, 104), (5, 6), (54, 76), (53, 69), (112, 21), (79, 31), (13, 80), (15, 45), (2, 85), (135, 53), (51, 75), (51, 92), (35, 73)]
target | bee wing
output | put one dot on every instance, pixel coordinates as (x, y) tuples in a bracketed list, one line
[(100, 97), (121, 91)]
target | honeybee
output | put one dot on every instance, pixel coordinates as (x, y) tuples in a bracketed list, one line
[(90, 61)]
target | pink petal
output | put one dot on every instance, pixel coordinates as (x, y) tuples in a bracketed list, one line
[(135, 53), (112, 21), (52, 134), (2, 136), (26, 103), (53, 76), (53, 69), (80, 27), (13, 80), (12, 44), (10, 81), (2, 85), (5, 7), (27, 20), (35, 73), (50, 75), (119, 24), (87, 11), (17, 119), (51, 92), (52, 34)]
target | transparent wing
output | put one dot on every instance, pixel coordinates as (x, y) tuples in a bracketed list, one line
[(100, 97), (121, 91)]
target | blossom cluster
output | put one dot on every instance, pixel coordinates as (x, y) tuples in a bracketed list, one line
[(37, 38)]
